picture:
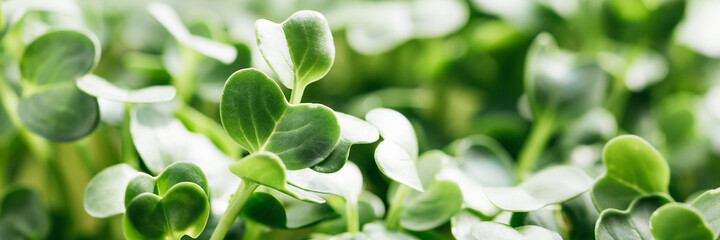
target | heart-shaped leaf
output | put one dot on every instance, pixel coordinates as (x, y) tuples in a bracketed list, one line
[(256, 115), (429, 209), (164, 14), (346, 183), (104, 194), (23, 215), (676, 221), (169, 206), (99, 87), (498, 231), (266, 169), (633, 223), (397, 153), (633, 168), (51, 105), (300, 50), (352, 131), (266, 209), (549, 186)]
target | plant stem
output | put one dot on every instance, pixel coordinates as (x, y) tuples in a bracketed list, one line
[(539, 135), (128, 147), (392, 220), (253, 230), (297, 93), (245, 189), (352, 216)]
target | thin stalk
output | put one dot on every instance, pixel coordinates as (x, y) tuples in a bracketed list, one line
[(253, 230), (392, 220), (297, 93), (128, 147), (185, 80), (352, 216), (245, 189), (539, 135)]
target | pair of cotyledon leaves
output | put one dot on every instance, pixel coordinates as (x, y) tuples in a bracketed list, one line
[(173, 204)]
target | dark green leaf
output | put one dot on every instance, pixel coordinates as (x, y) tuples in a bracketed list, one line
[(266, 209), (352, 131), (633, 223), (23, 215), (676, 221)]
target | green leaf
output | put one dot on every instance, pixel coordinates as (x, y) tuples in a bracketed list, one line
[(499, 231), (105, 193), (581, 214), (99, 87), (23, 214), (377, 230), (352, 131), (549, 186), (675, 221), (51, 105), (633, 168), (558, 83), (182, 210), (169, 19), (432, 208), (707, 206), (257, 116), (300, 50), (266, 169), (346, 183), (266, 209), (179, 173), (397, 153), (633, 223)]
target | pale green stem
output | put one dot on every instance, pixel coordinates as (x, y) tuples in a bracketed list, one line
[(128, 147), (238, 200), (540, 133), (352, 216), (392, 220), (253, 230), (297, 93), (185, 81)]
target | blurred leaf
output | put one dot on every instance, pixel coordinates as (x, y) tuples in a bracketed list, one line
[(706, 204), (633, 223), (266, 209), (352, 131), (346, 183), (633, 168), (499, 231), (164, 14), (23, 214), (51, 105), (549, 186), (300, 50), (256, 115), (101, 88), (266, 169), (641, 21), (105, 193), (432, 208), (397, 153), (677, 221), (581, 216)]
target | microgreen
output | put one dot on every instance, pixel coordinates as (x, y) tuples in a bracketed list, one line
[(23, 214)]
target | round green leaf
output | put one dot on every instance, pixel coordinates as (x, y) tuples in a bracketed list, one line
[(300, 50), (142, 183), (435, 206), (352, 131), (23, 215), (266, 209), (633, 223), (51, 105), (549, 186), (397, 153), (266, 169), (104, 194), (101, 88), (676, 221), (633, 168), (256, 115), (178, 173)]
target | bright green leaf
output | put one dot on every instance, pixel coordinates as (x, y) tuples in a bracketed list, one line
[(397, 153), (266, 209), (23, 215), (549, 186), (633, 223), (266, 169), (352, 131), (99, 87), (51, 105), (633, 168), (300, 50), (707, 205), (257, 116), (676, 221), (346, 183), (105, 193), (435, 206), (499, 231)]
